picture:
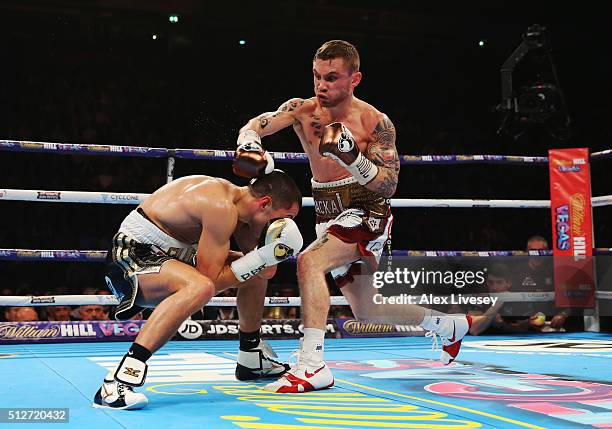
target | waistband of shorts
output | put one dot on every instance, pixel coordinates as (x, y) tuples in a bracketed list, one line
[(334, 184), (141, 229)]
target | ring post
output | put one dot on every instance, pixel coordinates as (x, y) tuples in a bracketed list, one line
[(572, 231)]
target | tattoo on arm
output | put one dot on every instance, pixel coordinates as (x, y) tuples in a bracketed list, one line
[(383, 153), (319, 243), (288, 106), (264, 120), (316, 125), (291, 105)]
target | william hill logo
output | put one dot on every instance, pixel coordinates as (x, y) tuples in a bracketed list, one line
[(12, 331), (355, 327)]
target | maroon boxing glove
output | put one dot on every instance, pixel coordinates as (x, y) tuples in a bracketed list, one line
[(251, 159), (338, 143)]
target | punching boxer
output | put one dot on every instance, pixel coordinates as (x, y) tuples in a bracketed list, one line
[(173, 253), (355, 165)]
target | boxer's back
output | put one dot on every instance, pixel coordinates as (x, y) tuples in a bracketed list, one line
[(179, 207)]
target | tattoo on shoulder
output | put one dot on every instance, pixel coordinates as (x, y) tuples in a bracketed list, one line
[(291, 105), (288, 106), (382, 150)]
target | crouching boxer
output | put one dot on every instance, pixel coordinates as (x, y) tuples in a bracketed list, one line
[(173, 254)]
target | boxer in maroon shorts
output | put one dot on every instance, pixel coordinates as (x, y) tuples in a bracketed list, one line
[(355, 165)]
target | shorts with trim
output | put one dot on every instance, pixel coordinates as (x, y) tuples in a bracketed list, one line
[(369, 233), (130, 256)]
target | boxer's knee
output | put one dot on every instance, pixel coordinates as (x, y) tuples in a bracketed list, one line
[(308, 263), (200, 289)]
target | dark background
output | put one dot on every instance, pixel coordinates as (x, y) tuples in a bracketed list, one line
[(90, 72)]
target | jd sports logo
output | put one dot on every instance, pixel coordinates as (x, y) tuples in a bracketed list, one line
[(131, 372), (190, 329)]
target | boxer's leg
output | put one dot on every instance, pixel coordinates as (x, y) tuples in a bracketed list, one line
[(319, 258), (176, 291), (256, 359)]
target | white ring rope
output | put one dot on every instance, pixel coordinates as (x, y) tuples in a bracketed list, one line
[(138, 198), (270, 301)]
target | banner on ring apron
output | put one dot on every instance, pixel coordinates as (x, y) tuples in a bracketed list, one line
[(572, 227)]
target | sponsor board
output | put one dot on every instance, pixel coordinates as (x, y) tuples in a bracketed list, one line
[(113, 330), (228, 329), (63, 332), (572, 227)]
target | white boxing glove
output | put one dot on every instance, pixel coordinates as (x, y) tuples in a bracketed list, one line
[(283, 240)]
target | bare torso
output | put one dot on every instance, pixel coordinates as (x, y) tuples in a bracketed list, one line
[(180, 207), (361, 119)]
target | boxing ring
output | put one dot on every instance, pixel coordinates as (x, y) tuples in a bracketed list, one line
[(528, 381)]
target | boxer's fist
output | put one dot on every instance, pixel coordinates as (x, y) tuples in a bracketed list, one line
[(282, 240), (251, 160), (338, 143)]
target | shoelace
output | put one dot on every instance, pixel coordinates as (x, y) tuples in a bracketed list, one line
[(434, 337), (121, 388), (295, 355)]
